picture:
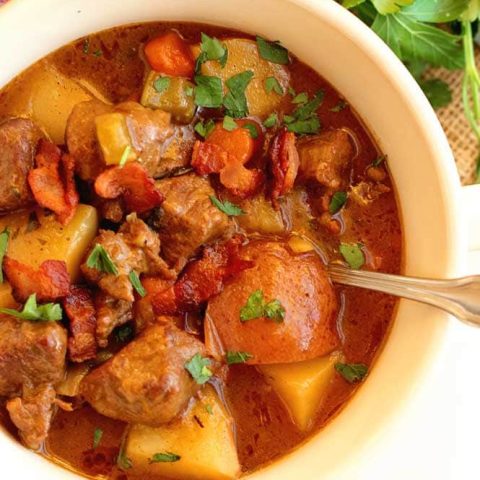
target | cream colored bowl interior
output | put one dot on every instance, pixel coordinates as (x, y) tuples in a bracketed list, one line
[(346, 53)]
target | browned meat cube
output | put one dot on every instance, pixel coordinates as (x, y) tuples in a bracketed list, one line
[(189, 217), (18, 141), (31, 354), (146, 382), (326, 158)]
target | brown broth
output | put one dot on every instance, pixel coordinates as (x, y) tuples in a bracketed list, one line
[(264, 429)]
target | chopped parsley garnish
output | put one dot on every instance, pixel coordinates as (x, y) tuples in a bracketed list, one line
[(98, 53), (208, 91), (304, 119), (237, 357), (273, 85), (101, 261), (379, 160), (300, 98), (165, 457), (337, 202), (271, 120), (305, 127), (352, 372), (97, 437), (227, 207), (4, 237), (235, 100), (136, 283), (48, 312), (161, 84), (272, 51), (341, 105), (252, 130), (352, 254), (123, 462), (256, 307), (205, 129), (188, 89), (197, 366), (125, 155), (229, 124), (124, 333), (209, 409), (211, 49)]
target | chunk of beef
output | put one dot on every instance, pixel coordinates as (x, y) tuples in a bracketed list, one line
[(18, 141), (32, 414), (300, 284), (189, 218), (326, 158), (148, 130), (146, 382), (31, 354)]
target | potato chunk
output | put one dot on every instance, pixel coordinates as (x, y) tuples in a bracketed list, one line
[(302, 385), (205, 453), (260, 216), (243, 55)]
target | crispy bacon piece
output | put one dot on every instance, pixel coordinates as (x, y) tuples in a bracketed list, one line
[(52, 181), (50, 282), (80, 310), (284, 160), (133, 183), (202, 278)]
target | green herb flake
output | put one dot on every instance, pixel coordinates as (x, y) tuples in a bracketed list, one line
[(205, 129), (124, 157), (4, 237), (300, 98), (209, 409), (273, 85), (123, 462), (304, 127), (272, 51), (292, 92), (341, 105), (274, 311), (237, 357), (97, 437), (256, 307), (124, 333), (161, 84), (211, 49), (252, 130), (188, 89), (136, 283), (306, 110), (227, 207), (304, 119), (352, 254), (208, 91), (97, 53), (379, 160), (48, 312), (165, 457), (197, 366), (352, 372), (100, 260), (229, 124), (235, 100), (337, 202), (271, 120)]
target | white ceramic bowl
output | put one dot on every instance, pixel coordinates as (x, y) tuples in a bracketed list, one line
[(363, 69)]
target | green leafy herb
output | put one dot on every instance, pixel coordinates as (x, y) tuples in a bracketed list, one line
[(4, 237), (304, 127), (309, 108), (165, 457), (97, 437), (227, 207), (98, 53), (271, 120), (125, 155), (101, 261), (235, 100), (273, 85), (161, 84), (237, 357), (353, 255), (390, 6), (304, 119), (437, 91), (436, 11), (256, 307), (209, 409), (124, 333), (341, 105), (123, 462), (208, 91), (337, 202), (272, 51), (300, 98), (211, 49), (205, 129), (136, 283), (197, 366), (48, 312), (352, 372), (379, 160), (252, 130), (229, 124)]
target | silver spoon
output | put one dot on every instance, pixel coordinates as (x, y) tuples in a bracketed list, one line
[(459, 296)]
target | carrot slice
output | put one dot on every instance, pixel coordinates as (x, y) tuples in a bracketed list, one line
[(237, 143), (171, 55)]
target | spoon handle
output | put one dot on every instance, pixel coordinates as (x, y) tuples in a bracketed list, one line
[(459, 296)]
